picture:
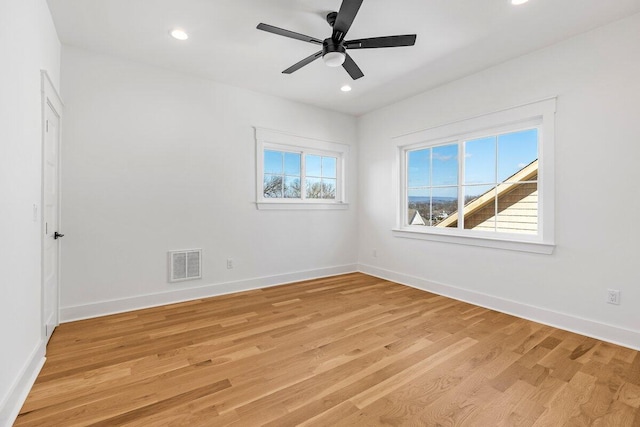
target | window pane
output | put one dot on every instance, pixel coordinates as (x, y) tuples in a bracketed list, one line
[(329, 167), (313, 165), (480, 207), (444, 203), (445, 165), (518, 208), (515, 152), (272, 185), (273, 161), (418, 167), (328, 188), (292, 164), (314, 188), (480, 161), (292, 187), (419, 206)]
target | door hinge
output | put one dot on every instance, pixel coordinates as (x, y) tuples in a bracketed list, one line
[(47, 125)]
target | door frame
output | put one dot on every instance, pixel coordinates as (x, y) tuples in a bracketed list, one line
[(50, 99)]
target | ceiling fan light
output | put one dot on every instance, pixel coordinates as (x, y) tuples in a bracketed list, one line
[(334, 59), (179, 34), (518, 2)]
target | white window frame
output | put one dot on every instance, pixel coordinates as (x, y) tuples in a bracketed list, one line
[(267, 139), (541, 115)]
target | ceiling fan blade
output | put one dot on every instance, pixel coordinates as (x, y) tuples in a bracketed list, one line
[(305, 61), (352, 68), (346, 15), (282, 32), (375, 42)]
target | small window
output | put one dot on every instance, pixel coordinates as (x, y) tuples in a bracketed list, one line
[(281, 175), (320, 177), (299, 173), (480, 181)]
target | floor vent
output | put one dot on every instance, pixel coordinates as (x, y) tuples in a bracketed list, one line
[(185, 265)]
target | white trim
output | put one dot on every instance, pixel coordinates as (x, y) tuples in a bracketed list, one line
[(103, 308), (271, 139), (283, 138), (19, 390), (478, 122), (540, 114), (602, 331), (486, 242), (283, 205), (48, 88)]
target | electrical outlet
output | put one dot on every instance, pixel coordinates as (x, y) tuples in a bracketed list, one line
[(229, 263), (613, 296), (374, 253)]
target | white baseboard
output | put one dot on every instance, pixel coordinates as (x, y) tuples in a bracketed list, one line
[(601, 331), (610, 333), (103, 308), (10, 407)]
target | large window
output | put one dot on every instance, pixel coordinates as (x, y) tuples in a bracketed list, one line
[(482, 181), (299, 173)]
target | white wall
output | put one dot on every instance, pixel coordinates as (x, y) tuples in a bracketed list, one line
[(155, 161), (28, 43), (596, 79)]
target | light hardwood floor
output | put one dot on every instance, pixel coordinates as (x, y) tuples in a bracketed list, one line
[(341, 351)]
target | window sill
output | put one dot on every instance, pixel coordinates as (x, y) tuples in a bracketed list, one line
[(486, 242), (301, 205)]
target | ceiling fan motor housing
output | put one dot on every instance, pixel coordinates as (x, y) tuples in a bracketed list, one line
[(330, 45)]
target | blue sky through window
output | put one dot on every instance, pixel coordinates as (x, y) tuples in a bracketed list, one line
[(436, 166), (488, 161), (292, 164), (515, 151), (444, 161), (273, 162), (313, 165), (480, 161), (277, 162), (419, 165), (512, 152), (329, 167)]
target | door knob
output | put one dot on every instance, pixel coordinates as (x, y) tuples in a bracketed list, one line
[(57, 235)]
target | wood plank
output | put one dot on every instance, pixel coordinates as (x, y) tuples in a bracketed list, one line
[(344, 350)]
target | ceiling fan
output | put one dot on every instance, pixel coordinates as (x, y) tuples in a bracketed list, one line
[(334, 49)]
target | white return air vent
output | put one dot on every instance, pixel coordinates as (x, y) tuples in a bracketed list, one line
[(185, 265)]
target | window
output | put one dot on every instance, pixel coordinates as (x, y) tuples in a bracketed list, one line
[(281, 175), (482, 181), (283, 178), (299, 173), (320, 177)]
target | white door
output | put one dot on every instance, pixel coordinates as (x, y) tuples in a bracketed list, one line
[(51, 240)]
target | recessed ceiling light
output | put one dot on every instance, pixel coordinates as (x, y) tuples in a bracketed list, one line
[(346, 88), (517, 2), (179, 34)]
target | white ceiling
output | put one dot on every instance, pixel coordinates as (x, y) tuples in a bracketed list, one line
[(455, 38)]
